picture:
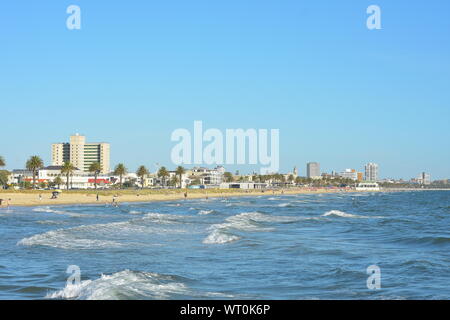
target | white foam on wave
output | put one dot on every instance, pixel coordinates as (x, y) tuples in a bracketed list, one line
[(103, 235), (204, 212), (341, 214), (246, 221), (219, 237), (130, 285), (284, 204), (60, 212), (122, 285), (164, 218)]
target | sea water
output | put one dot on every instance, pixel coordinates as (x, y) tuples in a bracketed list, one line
[(306, 246)]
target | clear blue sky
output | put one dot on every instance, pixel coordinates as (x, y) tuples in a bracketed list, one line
[(340, 94)]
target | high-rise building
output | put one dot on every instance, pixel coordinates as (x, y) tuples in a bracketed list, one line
[(371, 172), (424, 178), (313, 170), (81, 154)]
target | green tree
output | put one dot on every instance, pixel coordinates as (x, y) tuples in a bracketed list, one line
[(120, 170), (228, 177), (142, 172), (2, 162), (67, 169), (34, 164), (180, 171), (95, 168), (163, 174), (58, 181)]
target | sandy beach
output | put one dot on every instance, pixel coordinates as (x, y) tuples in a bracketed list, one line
[(36, 198)]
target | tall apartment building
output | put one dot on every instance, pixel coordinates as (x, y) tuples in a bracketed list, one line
[(313, 170), (371, 172), (424, 178), (81, 154)]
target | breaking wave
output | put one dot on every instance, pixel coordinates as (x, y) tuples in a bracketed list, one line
[(103, 235), (130, 285), (203, 212), (60, 212), (246, 221)]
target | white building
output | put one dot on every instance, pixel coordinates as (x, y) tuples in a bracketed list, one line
[(81, 154), (78, 179), (424, 178), (313, 170), (349, 174), (371, 172)]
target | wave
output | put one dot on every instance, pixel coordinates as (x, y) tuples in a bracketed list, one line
[(82, 237), (131, 285), (62, 239), (220, 237), (247, 222), (203, 212), (341, 214), (60, 212), (164, 218)]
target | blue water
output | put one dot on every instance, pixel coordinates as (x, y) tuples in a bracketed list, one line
[(269, 247)]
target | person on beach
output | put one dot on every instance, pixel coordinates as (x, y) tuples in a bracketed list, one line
[(40, 197), (185, 195), (98, 198)]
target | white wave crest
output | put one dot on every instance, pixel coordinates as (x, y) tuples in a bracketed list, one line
[(130, 285), (246, 221), (122, 285), (219, 237), (341, 214), (101, 235), (60, 212), (203, 212)]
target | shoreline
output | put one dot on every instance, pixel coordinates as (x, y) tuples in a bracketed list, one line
[(31, 198)]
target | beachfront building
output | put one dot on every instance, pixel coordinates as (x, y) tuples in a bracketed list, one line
[(81, 154), (349, 174), (371, 172), (243, 185), (77, 180), (313, 170), (424, 179), (207, 176)]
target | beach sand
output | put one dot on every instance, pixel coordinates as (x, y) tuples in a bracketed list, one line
[(32, 198)]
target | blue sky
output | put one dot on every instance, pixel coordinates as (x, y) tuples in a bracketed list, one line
[(340, 94)]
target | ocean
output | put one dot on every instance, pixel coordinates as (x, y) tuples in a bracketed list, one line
[(305, 246)]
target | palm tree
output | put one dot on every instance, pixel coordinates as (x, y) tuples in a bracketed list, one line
[(120, 170), (2, 162), (34, 164), (142, 172), (67, 169), (180, 171), (163, 174), (58, 181), (95, 168)]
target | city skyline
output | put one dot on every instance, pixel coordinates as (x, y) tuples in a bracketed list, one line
[(315, 167), (338, 92)]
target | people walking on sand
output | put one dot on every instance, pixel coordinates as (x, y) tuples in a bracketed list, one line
[(40, 197), (98, 198), (185, 195)]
